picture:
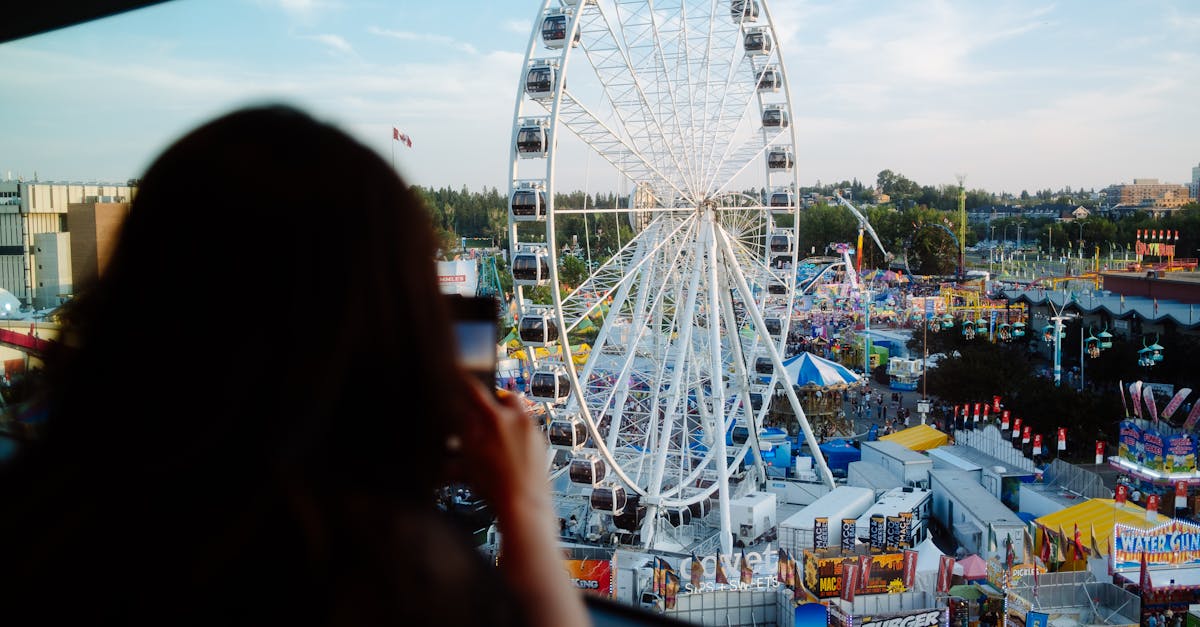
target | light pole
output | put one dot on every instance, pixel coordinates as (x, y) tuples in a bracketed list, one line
[(1081, 241)]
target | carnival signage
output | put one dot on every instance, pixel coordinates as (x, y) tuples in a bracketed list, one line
[(823, 576), (924, 618), (1175, 543), (1131, 442)]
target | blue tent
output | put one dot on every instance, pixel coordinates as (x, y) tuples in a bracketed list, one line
[(839, 453), (807, 368)]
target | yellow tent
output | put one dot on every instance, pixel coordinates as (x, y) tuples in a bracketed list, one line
[(918, 438), (1097, 514)]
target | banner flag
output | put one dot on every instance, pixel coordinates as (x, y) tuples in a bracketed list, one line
[(783, 568), (1010, 556), (698, 571), (849, 581), (910, 568), (671, 589), (721, 578), (745, 570), (945, 570), (864, 572), (1176, 402), (1151, 407), (1193, 416), (1135, 397), (1045, 552), (1078, 544)]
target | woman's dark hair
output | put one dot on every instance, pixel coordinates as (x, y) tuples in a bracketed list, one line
[(261, 376)]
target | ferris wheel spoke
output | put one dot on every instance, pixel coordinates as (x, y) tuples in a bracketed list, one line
[(622, 154), (620, 79)]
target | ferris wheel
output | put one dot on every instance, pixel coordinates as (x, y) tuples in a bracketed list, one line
[(688, 104)]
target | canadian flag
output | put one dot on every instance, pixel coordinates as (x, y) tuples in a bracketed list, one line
[(398, 136)]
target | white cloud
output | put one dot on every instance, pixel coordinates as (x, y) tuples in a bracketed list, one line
[(520, 27), (433, 38), (337, 43), (303, 10)]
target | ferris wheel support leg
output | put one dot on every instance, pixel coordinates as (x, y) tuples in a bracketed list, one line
[(777, 363), (718, 418), (654, 489)]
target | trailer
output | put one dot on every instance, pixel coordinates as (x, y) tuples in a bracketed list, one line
[(911, 467), (973, 514), (843, 502), (906, 502), (1001, 480), (862, 474)]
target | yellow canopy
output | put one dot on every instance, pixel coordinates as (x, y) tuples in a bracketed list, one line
[(918, 438), (1100, 515)]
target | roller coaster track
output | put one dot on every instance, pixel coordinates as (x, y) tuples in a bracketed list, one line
[(24, 342)]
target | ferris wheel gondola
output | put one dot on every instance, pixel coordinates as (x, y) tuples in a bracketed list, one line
[(688, 106)]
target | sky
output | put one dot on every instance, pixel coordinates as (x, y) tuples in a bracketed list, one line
[(1009, 96)]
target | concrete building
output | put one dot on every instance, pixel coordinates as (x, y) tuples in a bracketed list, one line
[(94, 228), (1149, 192), (31, 208), (1196, 182)]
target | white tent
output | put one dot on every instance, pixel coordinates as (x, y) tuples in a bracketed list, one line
[(927, 565)]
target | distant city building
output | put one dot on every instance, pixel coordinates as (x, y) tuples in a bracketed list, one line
[(1148, 195), (1055, 211), (37, 260), (1196, 182)]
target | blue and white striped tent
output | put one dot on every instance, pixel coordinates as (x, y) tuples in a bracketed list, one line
[(807, 368)]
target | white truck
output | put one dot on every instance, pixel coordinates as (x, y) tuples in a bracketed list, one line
[(796, 532)]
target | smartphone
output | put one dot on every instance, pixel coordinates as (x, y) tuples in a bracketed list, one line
[(475, 333)]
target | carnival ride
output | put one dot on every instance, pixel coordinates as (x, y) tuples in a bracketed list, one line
[(911, 251), (863, 225), (689, 108), (998, 320)]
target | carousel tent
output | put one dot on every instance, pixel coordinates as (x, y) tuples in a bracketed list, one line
[(918, 438), (807, 368), (1096, 516)]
